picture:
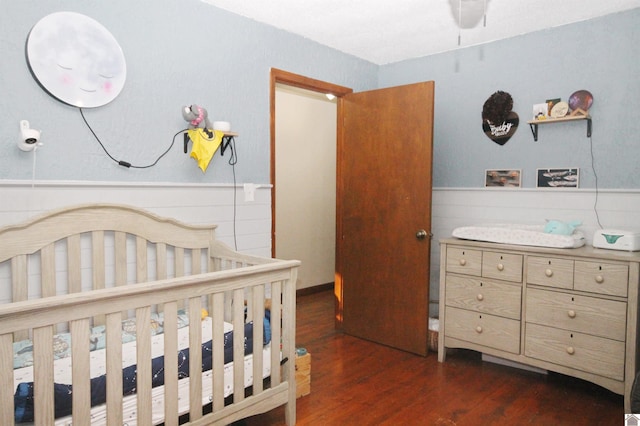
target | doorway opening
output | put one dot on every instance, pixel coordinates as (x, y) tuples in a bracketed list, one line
[(303, 175)]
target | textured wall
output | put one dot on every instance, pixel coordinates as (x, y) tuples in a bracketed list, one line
[(178, 52), (600, 55)]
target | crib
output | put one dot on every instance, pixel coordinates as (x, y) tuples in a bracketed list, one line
[(74, 281)]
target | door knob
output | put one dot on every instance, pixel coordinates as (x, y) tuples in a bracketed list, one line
[(421, 234)]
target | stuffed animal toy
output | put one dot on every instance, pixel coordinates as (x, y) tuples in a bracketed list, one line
[(197, 117), (561, 228), (205, 140)]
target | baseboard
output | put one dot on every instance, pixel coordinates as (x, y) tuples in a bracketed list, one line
[(314, 289)]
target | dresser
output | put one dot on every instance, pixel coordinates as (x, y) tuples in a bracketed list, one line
[(572, 311)]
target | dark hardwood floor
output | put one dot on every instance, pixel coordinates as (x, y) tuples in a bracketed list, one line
[(356, 382)]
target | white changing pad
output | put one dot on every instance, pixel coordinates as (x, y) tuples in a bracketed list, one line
[(524, 235)]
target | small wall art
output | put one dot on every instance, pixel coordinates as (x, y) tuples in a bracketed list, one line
[(558, 178), (540, 111), (502, 178), (499, 122)]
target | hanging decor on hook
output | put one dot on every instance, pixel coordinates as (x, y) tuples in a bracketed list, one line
[(499, 122)]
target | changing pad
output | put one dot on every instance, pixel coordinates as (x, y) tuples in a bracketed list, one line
[(524, 235)]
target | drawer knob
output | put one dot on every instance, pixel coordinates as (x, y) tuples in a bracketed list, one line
[(548, 272), (570, 350), (480, 297), (500, 267), (463, 262), (478, 329), (599, 279), (571, 313)]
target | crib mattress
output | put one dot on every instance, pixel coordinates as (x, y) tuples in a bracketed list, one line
[(62, 374), (525, 235)]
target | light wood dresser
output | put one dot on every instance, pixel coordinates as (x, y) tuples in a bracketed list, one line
[(572, 311)]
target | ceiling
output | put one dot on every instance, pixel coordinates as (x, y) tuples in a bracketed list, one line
[(386, 31)]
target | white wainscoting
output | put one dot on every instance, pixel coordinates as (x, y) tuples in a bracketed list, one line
[(246, 222), (215, 204), (461, 207)]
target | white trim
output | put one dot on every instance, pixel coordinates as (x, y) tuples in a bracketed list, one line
[(554, 190), (81, 184)]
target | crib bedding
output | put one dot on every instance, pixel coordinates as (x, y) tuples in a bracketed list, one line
[(526, 235), (23, 350), (98, 414), (23, 377)]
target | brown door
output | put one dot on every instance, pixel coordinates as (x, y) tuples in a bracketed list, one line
[(385, 140)]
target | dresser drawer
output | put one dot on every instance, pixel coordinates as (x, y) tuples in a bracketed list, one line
[(550, 271), (590, 315), (464, 261), (483, 329), (583, 352), (484, 296), (603, 278), (502, 266)]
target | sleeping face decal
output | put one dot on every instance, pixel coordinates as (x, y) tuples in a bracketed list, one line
[(76, 60)]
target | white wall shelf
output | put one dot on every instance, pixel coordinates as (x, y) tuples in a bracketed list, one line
[(534, 123)]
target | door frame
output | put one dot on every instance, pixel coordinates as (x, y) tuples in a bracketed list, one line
[(278, 76)]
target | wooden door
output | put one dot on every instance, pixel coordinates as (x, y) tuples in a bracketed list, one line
[(385, 140)]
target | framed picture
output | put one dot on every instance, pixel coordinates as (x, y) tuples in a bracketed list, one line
[(558, 178), (551, 103), (540, 111), (502, 178)]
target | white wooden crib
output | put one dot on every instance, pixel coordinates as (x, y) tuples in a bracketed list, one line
[(94, 267)]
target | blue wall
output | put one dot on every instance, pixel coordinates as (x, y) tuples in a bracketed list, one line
[(178, 52), (181, 52), (601, 55)]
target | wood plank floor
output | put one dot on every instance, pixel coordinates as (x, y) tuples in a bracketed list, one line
[(356, 382)]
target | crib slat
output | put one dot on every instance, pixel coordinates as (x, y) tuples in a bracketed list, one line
[(74, 277), (6, 378), (238, 345), (289, 343), (143, 359), (195, 359), (114, 368), (97, 259), (43, 375), (141, 260), (80, 374), (276, 336), (218, 351), (196, 261), (171, 364), (19, 274), (97, 266), (161, 261), (210, 261), (48, 270), (120, 246), (20, 286), (258, 337), (179, 266), (179, 261)]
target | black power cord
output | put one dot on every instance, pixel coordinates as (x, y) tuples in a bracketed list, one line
[(593, 167), (125, 163), (233, 160)]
